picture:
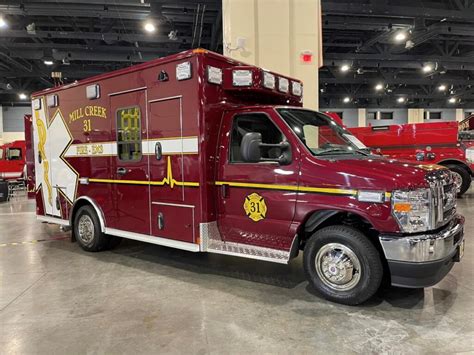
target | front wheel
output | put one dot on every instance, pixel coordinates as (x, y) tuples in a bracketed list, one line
[(343, 265), (462, 178), (87, 230)]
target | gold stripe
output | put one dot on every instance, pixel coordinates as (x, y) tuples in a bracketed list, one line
[(290, 188)]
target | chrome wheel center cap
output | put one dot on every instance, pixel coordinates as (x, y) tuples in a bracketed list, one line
[(338, 267)]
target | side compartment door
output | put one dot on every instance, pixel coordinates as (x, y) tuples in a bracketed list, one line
[(130, 173), (173, 156), (256, 200)]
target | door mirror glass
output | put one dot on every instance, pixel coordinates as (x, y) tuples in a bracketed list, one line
[(250, 147)]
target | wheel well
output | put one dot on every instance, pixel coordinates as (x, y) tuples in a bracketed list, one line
[(456, 162), (86, 201), (320, 219)]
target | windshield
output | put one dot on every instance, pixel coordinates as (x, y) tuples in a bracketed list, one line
[(319, 133), (14, 154), (1, 154)]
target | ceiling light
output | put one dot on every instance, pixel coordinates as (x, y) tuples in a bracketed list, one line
[(400, 36), (427, 68), (401, 99), (345, 68), (149, 27), (378, 87), (347, 99), (22, 96), (452, 100), (3, 23), (48, 61), (442, 87)]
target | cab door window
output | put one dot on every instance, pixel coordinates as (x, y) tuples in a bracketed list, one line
[(256, 123), (129, 138)]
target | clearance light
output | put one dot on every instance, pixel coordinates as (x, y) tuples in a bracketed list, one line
[(36, 104), (52, 100), (296, 88), (283, 84), (183, 71), (242, 77), (214, 75), (268, 80), (93, 91)]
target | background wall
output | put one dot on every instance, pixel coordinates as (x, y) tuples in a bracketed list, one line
[(13, 123)]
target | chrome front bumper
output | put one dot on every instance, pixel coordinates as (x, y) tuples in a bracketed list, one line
[(423, 260), (424, 247)]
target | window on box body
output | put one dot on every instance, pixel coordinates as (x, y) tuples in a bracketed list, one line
[(129, 137)]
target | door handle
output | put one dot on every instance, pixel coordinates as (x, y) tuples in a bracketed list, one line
[(225, 191), (122, 171), (158, 151)]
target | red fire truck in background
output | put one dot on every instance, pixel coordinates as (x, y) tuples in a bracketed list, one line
[(438, 143), (200, 152), (12, 161)]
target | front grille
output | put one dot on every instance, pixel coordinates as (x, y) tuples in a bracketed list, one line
[(443, 197)]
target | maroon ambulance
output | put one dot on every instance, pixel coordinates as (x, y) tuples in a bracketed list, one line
[(199, 152)]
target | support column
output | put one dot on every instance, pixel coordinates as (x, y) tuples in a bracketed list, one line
[(459, 114), (276, 32), (362, 117), (415, 115), (1, 124)]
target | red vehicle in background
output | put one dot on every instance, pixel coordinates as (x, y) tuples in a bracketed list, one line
[(437, 143), (12, 161)]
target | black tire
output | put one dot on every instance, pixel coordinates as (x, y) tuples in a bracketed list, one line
[(96, 241), (465, 177), (370, 275)]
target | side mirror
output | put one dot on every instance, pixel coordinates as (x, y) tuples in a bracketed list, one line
[(250, 147)]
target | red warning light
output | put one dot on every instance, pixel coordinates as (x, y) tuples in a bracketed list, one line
[(306, 57)]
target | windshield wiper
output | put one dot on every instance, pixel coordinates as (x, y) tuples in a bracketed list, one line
[(342, 151)]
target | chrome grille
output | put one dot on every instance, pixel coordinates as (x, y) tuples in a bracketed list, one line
[(443, 197)]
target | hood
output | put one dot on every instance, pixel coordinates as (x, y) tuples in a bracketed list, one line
[(379, 173)]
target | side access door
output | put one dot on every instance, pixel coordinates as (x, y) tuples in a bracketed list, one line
[(173, 162), (130, 174), (257, 200)]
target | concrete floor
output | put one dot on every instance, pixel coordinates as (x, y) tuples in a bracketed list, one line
[(56, 298)]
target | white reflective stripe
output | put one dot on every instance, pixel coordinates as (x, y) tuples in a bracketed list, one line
[(173, 146), (92, 149), (184, 145)]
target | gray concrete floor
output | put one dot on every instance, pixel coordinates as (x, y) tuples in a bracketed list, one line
[(140, 298)]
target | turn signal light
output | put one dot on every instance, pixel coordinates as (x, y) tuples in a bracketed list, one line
[(401, 207)]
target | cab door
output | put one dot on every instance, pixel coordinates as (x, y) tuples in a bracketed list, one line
[(257, 201)]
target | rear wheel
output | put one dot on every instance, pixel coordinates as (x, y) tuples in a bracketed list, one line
[(87, 230), (343, 265), (462, 178)]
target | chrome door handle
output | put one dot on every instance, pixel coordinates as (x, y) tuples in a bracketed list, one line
[(122, 171)]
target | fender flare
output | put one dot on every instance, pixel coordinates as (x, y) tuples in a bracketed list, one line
[(317, 218), (94, 205), (456, 162)]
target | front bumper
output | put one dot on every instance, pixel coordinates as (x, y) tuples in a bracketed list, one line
[(422, 260)]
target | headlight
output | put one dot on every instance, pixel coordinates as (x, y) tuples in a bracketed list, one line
[(470, 155), (412, 209)]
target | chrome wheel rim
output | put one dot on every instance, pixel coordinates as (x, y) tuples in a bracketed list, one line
[(457, 180), (86, 229), (338, 267)]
